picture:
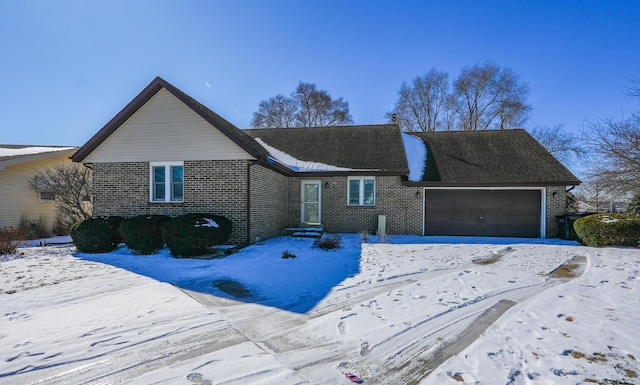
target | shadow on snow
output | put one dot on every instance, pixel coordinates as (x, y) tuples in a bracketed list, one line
[(256, 274), (260, 274)]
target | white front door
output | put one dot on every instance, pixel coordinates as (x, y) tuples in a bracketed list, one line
[(311, 198)]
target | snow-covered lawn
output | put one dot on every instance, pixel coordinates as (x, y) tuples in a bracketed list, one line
[(392, 313)]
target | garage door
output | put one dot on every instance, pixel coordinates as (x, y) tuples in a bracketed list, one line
[(495, 213)]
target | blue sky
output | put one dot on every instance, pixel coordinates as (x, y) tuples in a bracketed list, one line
[(67, 67)]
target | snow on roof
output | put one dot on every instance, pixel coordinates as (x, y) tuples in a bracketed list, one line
[(416, 156), (30, 150), (297, 164)]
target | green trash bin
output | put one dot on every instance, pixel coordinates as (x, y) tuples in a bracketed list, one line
[(563, 227), (572, 232)]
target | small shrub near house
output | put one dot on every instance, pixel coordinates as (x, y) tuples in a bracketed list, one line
[(192, 235), (608, 230), (10, 239), (142, 234), (287, 255), (97, 235), (33, 229), (328, 241)]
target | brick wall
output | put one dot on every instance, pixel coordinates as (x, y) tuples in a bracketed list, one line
[(269, 196), (556, 205), (402, 206), (217, 187)]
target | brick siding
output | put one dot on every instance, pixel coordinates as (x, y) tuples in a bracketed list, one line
[(269, 196), (556, 205), (401, 205), (220, 187), (217, 187)]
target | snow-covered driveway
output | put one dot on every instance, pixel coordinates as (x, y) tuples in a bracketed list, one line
[(388, 312)]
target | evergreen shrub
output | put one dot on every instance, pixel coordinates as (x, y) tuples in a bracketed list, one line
[(608, 229), (192, 235), (142, 234), (97, 235)]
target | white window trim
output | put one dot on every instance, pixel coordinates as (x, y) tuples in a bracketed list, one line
[(167, 185), (361, 192)]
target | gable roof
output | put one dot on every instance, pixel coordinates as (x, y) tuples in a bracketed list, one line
[(243, 140), (371, 148), (490, 158), (11, 154)]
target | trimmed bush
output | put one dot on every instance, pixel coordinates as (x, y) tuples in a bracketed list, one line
[(97, 235), (608, 230), (192, 235), (328, 241), (142, 234)]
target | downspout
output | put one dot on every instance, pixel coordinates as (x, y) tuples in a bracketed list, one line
[(572, 187), (248, 241)]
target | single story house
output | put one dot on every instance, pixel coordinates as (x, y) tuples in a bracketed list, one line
[(166, 153), (20, 197)]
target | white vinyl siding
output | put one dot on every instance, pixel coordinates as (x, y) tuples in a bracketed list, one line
[(361, 191), (166, 182), (165, 129)]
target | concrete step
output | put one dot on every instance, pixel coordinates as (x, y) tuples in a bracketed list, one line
[(305, 231)]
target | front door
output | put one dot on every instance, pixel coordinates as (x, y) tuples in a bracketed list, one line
[(311, 198)]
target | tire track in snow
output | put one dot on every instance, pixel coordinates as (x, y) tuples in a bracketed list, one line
[(402, 362)]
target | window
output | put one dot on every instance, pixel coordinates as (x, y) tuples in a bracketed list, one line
[(167, 182), (362, 191), (46, 196), (41, 188)]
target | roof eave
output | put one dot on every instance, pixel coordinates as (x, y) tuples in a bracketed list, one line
[(34, 157), (352, 173)]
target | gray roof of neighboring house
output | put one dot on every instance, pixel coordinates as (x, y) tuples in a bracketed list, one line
[(490, 158), (364, 148), (22, 153)]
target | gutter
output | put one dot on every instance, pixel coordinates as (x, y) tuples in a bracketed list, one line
[(487, 184)]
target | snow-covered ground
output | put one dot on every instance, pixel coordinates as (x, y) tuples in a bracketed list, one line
[(414, 310)]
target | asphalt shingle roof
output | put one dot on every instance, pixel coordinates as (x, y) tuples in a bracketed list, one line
[(366, 147), (493, 157)]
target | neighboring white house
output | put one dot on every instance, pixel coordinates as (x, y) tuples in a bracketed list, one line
[(19, 199)]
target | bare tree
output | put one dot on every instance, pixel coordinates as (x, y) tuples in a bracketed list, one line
[(634, 205), (72, 185), (487, 97), (279, 111), (305, 107), (423, 104), (595, 192), (614, 146), (633, 89), (561, 144)]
